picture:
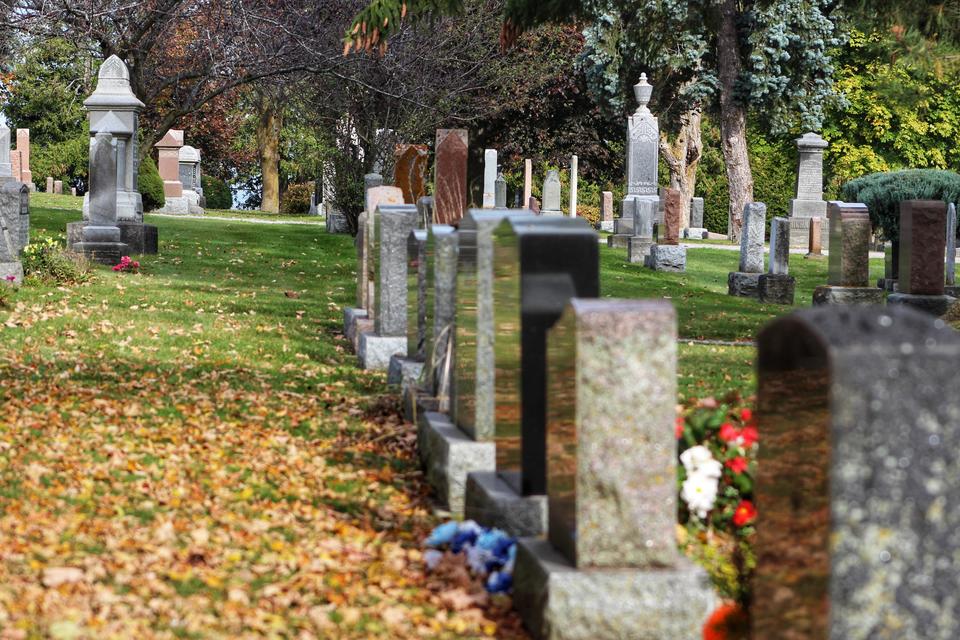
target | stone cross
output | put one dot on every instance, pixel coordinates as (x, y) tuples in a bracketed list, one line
[(574, 177), (951, 261), (450, 170), (922, 241), (849, 260), (500, 192), (643, 140), (779, 247), (410, 170), (489, 178), (416, 294), (527, 181), (6, 169), (551, 193), (606, 207), (539, 265), (858, 483), (751, 239), (593, 491), (672, 214), (393, 225), (696, 213)]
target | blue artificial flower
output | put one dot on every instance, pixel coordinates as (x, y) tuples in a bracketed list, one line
[(499, 582), (443, 534)]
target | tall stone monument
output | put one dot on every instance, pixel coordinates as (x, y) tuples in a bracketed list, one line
[(643, 156), (20, 158), (858, 482), (574, 182), (809, 202), (100, 238), (611, 469), (489, 178), (6, 169), (450, 176), (189, 160), (112, 108), (168, 163)]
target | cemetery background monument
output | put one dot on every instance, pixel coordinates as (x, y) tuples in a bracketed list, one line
[(168, 164), (809, 202), (189, 159), (100, 237), (849, 259), (745, 282)]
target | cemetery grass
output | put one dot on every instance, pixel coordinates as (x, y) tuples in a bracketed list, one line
[(191, 452)]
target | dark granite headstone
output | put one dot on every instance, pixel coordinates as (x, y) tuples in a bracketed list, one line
[(539, 266), (450, 169), (849, 261), (672, 216), (416, 294), (858, 485), (923, 237)]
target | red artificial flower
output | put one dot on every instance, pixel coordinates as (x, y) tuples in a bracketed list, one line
[(744, 514), (746, 415), (737, 465), (680, 426), (728, 432), (727, 622), (749, 436)]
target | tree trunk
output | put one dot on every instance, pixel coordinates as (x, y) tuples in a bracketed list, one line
[(269, 123), (733, 119), (682, 156)]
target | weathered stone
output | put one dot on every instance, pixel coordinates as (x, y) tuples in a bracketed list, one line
[(619, 240), (951, 256), (401, 370), (534, 205), (551, 193), (672, 214), (393, 227), (858, 484), (100, 235), (23, 174), (350, 317), (410, 170), (638, 249), (416, 294), (474, 400), (168, 164), (500, 189), (362, 326), (743, 285), (814, 244), (368, 243), (776, 288), (49, 184), (665, 257), (751, 238), (450, 168), (448, 456), (6, 168), (441, 254), (696, 213), (936, 305), (372, 180), (922, 243), (11, 273), (779, 246), (558, 602), (374, 352), (643, 144), (606, 207), (809, 202), (527, 183), (11, 269), (489, 178), (539, 266), (491, 502), (425, 212), (595, 494), (849, 261), (831, 295)]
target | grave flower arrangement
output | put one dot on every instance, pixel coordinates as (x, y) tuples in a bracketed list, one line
[(490, 553), (126, 264), (717, 445)]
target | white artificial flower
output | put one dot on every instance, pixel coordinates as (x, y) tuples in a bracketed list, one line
[(699, 461), (699, 491)]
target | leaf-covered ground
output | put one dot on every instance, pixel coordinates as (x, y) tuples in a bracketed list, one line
[(191, 453)]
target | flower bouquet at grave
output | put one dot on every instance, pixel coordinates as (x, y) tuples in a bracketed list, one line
[(126, 264), (717, 444)]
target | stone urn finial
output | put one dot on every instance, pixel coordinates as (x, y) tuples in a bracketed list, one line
[(642, 91)]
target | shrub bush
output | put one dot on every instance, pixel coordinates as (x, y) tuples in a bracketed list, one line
[(46, 260), (883, 192), (296, 199), (150, 185), (67, 161), (216, 192)]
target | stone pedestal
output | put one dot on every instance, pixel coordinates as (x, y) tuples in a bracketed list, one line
[(638, 249), (776, 288), (665, 257), (374, 352), (744, 285), (491, 502), (448, 455), (619, 240), (829, 295), (935, 305), (336, 221), (140, 238), (558, 602), (402, 371), (350, 317), (696, 233)]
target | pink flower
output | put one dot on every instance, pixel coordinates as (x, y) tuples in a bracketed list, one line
[(11, 278)]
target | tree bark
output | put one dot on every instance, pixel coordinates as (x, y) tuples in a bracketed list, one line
[(733, 119), (682, 156), (269, 123)]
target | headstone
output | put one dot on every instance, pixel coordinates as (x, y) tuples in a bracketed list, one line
[(189, 159), (574, 177), (168, 153), (500, 202), (611, 469), (100, 236), (489, 178), (777, 286), (951, 257), (606, 206), (527, 181), (539, 265), (11, 269), (6, 169), (450, 169), (672, 213), (696, 229), (372, 180), (923, 232), (416, 294), (640, 244), (410, 170), (49, 184), (73, 191), (849, 259), (643, 158), (425, 212), (809, 202), (534, 206), (24, 174), (58, 187), (857, 483), (814, 247), (442, 266), (745, 282), (366, 284), (551, 193)]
